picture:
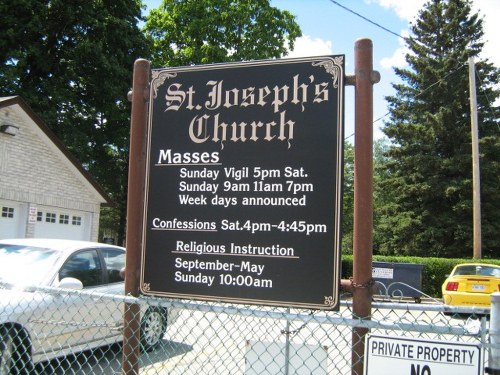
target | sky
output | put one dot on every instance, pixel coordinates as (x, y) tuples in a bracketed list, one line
[(329, 28)]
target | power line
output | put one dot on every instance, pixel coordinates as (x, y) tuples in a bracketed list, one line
[(488, 100), (367, 19), (457, 69), (377, 25), (405, 39)]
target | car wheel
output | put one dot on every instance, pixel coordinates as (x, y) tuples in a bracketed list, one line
[(14, 357), (153, 327)]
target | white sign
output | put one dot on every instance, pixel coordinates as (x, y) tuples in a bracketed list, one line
[(274, 358), (32, 215), (382, 273), (420, 357)]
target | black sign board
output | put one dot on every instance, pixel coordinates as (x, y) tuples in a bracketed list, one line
[(244, 183)]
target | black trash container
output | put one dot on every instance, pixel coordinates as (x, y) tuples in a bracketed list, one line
[(396, 280)]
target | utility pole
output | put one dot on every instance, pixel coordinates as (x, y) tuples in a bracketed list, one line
[(476, 184)]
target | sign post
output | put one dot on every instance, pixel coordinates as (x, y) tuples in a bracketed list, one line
[(362, 281), (135, 198), (244, 183)]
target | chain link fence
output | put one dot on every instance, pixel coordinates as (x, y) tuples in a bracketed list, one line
[(50, 331)]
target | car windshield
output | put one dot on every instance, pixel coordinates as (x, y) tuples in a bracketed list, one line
[(24, 265), (478, 271)]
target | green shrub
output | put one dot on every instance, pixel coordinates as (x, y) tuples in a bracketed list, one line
[(434, 272)]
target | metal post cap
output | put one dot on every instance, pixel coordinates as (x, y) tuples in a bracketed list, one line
[(495, 297)]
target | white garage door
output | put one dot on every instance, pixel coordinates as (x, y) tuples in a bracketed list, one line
[(57, 223), (12, 219)]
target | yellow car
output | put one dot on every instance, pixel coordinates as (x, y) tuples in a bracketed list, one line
[(471, 284)]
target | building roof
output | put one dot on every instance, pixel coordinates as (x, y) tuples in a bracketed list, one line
[(12, 101)]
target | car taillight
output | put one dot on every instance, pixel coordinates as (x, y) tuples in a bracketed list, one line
[(452, 286)]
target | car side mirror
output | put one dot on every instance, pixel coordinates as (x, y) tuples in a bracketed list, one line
[(122, 273), (70, 283)]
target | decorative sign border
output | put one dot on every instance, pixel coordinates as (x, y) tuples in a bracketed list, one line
[(244, 183)]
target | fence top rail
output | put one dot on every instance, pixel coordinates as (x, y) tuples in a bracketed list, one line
[(384, 305), (306, 316), (429, 307)]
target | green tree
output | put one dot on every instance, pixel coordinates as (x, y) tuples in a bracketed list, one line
[(380, 148), (381, 197), (187, 32), (72, 62), (348, 199), (429, 174)]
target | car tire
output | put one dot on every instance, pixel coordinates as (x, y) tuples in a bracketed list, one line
[(7, 350), (153, 328), (15, 358)]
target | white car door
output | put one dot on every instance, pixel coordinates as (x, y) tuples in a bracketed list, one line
[(110, 310), (76, 321)]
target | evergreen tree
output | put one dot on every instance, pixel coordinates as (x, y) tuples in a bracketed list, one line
[(428, 184)]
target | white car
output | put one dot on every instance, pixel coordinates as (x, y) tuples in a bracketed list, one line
[(36, 326)]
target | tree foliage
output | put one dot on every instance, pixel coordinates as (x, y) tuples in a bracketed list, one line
[(187, 32), (380, 148), (348, 199), (72, 63), (427, 209)]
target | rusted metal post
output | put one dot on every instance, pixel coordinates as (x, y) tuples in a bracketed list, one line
[(135, 199), (363, 197)]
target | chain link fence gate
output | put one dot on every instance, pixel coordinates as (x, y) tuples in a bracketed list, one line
[(211, 338)]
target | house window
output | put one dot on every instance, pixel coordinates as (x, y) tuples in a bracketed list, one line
[(50, 217), (63, 219), (8, 212), (39, 216), (77, 220)]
